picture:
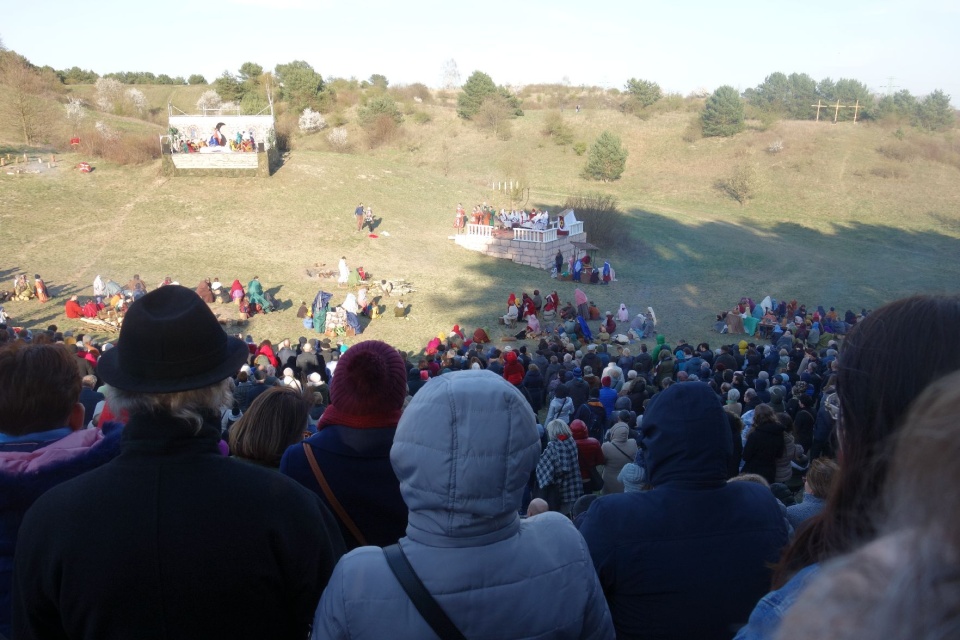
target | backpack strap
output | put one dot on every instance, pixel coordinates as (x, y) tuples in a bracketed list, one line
[(332, 499), (425, 603)]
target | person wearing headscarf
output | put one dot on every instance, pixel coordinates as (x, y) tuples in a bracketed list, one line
[(204, 291), (343, 270), (255, 295), (99, 289), (623, 315), (41, 288), (619, 451), (580, 299), (236, 291)]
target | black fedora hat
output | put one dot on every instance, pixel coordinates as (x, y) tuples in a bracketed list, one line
[(171, 341)]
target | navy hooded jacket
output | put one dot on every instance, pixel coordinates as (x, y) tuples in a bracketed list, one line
[(688, 559)]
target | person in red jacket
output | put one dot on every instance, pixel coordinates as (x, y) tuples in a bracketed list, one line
[(589, 454), (513, 371)]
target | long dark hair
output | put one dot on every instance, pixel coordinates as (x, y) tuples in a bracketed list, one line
[(887, 359)]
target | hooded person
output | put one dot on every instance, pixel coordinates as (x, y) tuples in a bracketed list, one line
[(256, 297), (99, 289), (620, 451), (583, 307), (622, 314), (204, 291), (486, 567), (149, 531), (350, 451), (236, 291), (693, 538), (513, 370)]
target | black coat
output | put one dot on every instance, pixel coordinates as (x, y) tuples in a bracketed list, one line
[(764, 446), (533, 383), (173, 540)]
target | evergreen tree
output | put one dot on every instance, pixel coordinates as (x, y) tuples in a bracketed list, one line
[(641, 94), (934, 112), (723, 113), (607, 158), (477, 87)]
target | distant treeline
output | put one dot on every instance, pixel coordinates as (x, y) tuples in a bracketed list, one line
[(76, 75)]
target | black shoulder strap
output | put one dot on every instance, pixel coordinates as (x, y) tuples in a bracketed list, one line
[(421, 598)]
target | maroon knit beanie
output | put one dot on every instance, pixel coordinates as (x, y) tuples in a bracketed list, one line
[(369, 387)]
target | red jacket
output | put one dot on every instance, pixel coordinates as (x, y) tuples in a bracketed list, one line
[(589, 453), (512, 369), (73, 309)]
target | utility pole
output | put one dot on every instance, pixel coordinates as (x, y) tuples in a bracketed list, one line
[(890, 85)]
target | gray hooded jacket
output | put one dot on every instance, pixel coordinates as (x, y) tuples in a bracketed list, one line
[(463, 453)]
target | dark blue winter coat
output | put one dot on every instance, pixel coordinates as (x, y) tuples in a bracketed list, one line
[(688, 559)]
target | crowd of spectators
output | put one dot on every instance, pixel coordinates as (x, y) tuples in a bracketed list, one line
[(182, 482)]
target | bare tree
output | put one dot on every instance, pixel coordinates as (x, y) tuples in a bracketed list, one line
[(450, 77), (22, 107)]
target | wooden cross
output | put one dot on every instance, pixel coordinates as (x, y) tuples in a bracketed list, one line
[(818, 106)]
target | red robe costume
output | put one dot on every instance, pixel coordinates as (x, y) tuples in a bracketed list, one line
[(72, 309)]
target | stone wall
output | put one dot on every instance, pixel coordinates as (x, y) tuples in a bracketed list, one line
[(532, 254), (224, 165)]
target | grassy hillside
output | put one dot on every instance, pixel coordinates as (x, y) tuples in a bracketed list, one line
[(834, 221)]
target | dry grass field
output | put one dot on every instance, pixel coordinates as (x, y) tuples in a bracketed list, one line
[(845, 215)]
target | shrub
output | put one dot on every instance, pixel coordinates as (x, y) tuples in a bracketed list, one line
[(580, 148), (382, 105), (742, 185), (284, 128), (127, 149), (196, 78), (109, 94), (422, 117), (607, 158), (694, 130), (311, 121), (641, 94), (253, 103), (934, 112), (338, 139), (898, 152), (209, 100), (75, 113), (382, 130), (495, 114), (338, 119), (555, 126), (602, 219), (723, 113), (137, 100)]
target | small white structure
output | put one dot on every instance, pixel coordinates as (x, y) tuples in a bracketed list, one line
[(526, 244)]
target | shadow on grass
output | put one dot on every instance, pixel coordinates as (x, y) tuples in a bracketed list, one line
[(690, 271)]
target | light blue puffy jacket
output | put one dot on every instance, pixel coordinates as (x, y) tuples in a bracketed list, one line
[(463, 453)]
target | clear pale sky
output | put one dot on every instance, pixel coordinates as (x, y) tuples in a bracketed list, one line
[(682, 45)]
